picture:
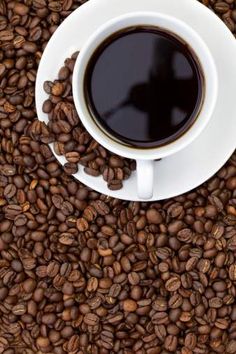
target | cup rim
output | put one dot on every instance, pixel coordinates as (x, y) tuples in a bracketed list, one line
[(210, 78)]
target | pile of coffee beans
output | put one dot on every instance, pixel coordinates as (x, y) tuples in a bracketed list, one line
[(83, 273), (71, 138)]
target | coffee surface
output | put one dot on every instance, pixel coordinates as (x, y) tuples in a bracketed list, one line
[(144, 87)]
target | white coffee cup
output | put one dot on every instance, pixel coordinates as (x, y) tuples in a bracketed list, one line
[(145, 157)]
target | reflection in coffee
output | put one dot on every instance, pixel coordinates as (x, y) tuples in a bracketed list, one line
[(144, 86)]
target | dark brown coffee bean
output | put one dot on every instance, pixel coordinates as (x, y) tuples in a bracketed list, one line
[(8, 170), (220, 259), (160, 304), (20, 9), (190, 341), (221, 323), (101, 207), (175, 301), (108, 174), (153, 216), (91, 171), (57, 89), (6, 35), (29, 285), (231, 183), (133, 278), (115, 290), (47, 106), (173, 284), (129, 305), (19, 310), (91, 319), (232, 272), (231, 346), (215, 302), (221, 7), (72, 157), (49, 318), (115, 185), (63, 73), (66, 239), (92, 284), (29, 47), (171, 343), (3, 344), (9, 191), (42, 342), (82, 224)]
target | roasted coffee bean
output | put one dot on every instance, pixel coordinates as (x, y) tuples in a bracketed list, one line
[(190, 341), (20, 9), (232, 272), (19, 309), (10, 190), (115, 185), (173, 284), (129, 305), (91, 319), (170, 343)]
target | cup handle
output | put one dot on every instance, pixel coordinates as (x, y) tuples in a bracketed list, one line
[(145, 178)]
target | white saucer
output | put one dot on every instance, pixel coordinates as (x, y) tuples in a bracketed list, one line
[(192, 166)]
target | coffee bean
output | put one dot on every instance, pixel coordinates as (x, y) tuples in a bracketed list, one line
[(160, 304), (231, 346), (220, 259), (133, 278), (215, 302), (3, 344), (91, 319), (105, 283), (47, 106), (30, 47), (221, 7), (170, 343), (42, 342), (115, 185), (8, 170), (63, 73), (19, 310), (232, 272), (20, 9), (10, 190), (108, 174), (129, 305), (16, 265), (6, 35), (190, 341), (66, 239), (73, 343), (29, 285), (219, 286), (221, 323), (153, 216), (82, 224), (173, 284), (92, 284), (72, 157), (49, 318)]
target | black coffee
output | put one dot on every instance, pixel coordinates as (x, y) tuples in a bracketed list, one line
[(144, 86)]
